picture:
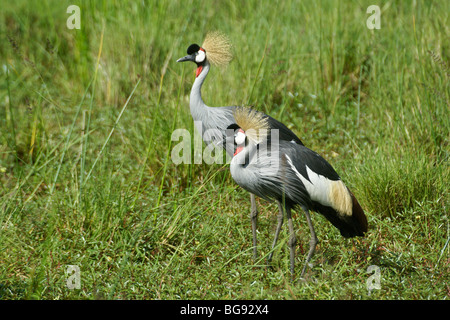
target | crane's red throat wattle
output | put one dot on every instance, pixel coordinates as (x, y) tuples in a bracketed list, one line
[(238, 149), (199, 70)]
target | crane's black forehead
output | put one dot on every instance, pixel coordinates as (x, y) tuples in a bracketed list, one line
[(233, 126), (193, 48)]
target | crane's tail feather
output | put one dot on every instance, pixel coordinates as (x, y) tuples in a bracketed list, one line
[(350, 225), (358, 217)]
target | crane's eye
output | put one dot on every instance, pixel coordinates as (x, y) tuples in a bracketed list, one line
[(200, 56), (239, 138)]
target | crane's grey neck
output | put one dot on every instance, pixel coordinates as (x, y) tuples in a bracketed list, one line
[(243, 158), (197, 106)]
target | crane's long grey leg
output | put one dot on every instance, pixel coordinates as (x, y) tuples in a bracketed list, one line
[(312, 242), (254, 218), (292, 240), (277, 231)]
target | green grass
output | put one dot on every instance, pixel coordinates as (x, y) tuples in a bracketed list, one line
[(86, 178)]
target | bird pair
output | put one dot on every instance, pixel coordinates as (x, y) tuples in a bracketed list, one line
[(280, 168)]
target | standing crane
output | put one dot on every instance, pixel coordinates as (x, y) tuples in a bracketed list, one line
[(294, 176), (213, 121)]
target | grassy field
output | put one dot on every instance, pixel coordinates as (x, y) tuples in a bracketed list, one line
[(86, 176)]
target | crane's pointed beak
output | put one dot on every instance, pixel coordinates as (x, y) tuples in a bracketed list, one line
[(189, 57)]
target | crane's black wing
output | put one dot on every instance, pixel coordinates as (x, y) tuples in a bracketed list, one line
[(284, 132), (303, 157), (310, 165)]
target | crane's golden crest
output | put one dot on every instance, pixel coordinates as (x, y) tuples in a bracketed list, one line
[(218, 48), (254, 123), (340, 198)]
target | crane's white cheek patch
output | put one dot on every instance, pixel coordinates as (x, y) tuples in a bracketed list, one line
[(200, 57), (327, 192), (240, 138)]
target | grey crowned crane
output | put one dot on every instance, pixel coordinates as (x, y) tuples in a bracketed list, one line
[(293, 175), (212, 122)]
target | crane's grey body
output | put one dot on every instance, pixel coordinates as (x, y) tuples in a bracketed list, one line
[(276, 173), (273, 170)]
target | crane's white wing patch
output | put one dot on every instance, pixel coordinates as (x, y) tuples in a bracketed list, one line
[(327, 192)]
